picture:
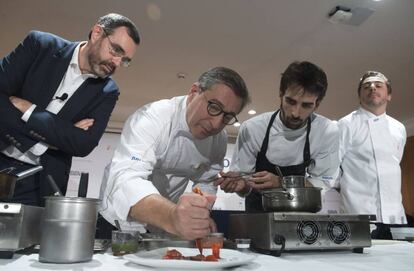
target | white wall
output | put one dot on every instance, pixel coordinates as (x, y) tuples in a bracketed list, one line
[(94, 164)]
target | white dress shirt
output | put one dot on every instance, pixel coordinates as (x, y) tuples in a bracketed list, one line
[(71, 81), (157, 155), (286, 147), (371, 148)]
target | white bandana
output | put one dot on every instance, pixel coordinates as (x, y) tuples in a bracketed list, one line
[(377, 78)]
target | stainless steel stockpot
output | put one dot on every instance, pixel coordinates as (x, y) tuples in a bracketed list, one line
[(68, 230), (306, 199)]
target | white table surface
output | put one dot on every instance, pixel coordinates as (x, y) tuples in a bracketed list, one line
[(383, 255)]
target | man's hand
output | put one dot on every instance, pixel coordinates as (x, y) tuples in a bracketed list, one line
[(84, 124), (20, 103), (191, 217), (230, 182), (264, 180)]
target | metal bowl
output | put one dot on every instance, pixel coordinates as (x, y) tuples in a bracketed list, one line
[(307, 199)]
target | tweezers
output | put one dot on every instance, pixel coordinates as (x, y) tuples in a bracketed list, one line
[(242, 175)]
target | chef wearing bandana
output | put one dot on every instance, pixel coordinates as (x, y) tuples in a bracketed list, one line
[(371, 148)]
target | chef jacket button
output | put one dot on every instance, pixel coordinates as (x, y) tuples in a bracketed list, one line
[(7, 136), (18, 144)]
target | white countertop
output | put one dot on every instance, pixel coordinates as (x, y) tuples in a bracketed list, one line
[(383, 255)]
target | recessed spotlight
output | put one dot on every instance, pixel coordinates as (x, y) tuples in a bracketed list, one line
[(236, 124), (251, 112), (181, 75), (154, 12)]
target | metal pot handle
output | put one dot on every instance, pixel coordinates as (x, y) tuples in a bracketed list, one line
[(288, 195)]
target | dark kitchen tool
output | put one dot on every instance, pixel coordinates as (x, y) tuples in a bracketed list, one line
[(83, 185), (55, 188)]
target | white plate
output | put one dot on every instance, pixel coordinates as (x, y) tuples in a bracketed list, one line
[(153, 258)]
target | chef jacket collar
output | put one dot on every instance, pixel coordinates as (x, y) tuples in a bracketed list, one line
[(370, 115), (279, 125)]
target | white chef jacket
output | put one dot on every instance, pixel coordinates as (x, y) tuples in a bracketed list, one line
[(157, 154), (286, 147), (371, 148)]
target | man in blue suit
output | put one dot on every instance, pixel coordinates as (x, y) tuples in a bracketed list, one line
[(56, 98)]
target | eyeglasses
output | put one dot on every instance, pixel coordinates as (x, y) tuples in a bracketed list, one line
[(214, 109), (117, 51)]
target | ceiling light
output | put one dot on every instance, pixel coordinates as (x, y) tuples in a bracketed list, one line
[(236, 124), (251, 112), (154, 12), (181, 75)]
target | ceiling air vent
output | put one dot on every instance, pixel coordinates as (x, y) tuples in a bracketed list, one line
[(351, 16)]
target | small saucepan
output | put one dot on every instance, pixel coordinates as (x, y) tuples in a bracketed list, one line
[(299, 199)]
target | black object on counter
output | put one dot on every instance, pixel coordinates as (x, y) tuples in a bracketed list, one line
[(83, 185)]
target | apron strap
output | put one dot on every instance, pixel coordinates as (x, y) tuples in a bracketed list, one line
[(265, 143)]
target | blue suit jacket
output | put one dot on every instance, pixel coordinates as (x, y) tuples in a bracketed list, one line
[(33, 71)]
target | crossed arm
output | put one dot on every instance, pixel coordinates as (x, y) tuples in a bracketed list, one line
[(23, 105)]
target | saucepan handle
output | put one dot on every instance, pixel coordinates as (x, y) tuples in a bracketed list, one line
[(288, 195)]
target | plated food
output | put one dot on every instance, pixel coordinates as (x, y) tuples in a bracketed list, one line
[(154, 258), (174, 254)]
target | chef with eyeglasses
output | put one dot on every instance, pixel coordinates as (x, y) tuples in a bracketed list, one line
[(163, 146), (371, 148)]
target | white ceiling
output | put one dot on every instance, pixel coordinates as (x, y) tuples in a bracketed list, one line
[(256, 38)]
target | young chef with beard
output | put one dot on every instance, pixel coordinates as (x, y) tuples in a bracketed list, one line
[(56, 97), (294, 138), (371, 147), (166, 144)]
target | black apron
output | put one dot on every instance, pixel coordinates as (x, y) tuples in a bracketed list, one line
[(253, 201)]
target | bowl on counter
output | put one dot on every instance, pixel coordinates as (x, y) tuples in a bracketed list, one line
[(124, 242)]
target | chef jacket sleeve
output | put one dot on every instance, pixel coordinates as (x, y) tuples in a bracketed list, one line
[(325, 171), (403, 140), (133, 162), (345, 138), (208, 175), (207, 178), (245, 153)]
